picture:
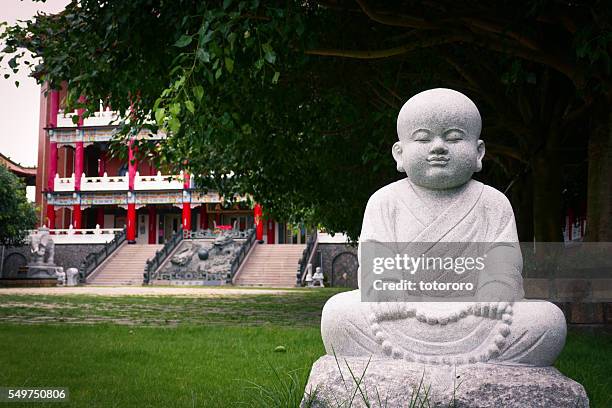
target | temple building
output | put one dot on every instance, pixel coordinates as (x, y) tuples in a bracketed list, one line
[(79, 185), (26, 174)]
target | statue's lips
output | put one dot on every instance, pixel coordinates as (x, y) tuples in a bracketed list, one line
[(438, 160)]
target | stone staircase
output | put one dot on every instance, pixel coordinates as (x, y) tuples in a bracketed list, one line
[(125, 266), (271, 266)]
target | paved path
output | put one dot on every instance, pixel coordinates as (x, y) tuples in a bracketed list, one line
[(140, 291)]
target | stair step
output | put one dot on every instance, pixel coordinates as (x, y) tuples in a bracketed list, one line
[(271, 265), (126, 266)]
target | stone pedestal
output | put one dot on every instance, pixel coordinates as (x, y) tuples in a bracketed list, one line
[(43, 271), (392, 383), (72, 277)]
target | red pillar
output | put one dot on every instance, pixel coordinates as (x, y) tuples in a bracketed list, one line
[(78, 165), (52, 122), (79, 151), (203, 216), (131, 223), (152, 224), (132, 164), (186, 181), (186, 217), (53, 109), (50, 216), (259, 225), (100, 216), (80, 111), (76, 216), (52, 166), (270, 230)]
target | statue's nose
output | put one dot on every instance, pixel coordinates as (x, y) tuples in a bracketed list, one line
[(438, 148)]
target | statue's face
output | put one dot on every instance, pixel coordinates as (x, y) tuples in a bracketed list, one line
[(439, 145)]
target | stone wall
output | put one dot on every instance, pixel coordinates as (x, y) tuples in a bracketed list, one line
[(67, 256), (585, 302), (338, 263)]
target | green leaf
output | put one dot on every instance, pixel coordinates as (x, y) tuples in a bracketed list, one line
[(218, 73), (270, 57), (160, 114), (203, 55), (13, 62), (232, 39), (269, 54), (226, 4), (175, 124), (175, 108), (275, 77), (198, 92), (229, 64), (184, 41), (190, 106), (246, 129)]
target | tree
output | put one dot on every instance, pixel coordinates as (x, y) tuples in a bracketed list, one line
[(17, 215), (574, 39), (298, 99)]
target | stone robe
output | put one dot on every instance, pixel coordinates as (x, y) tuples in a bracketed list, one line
[(430, 330)]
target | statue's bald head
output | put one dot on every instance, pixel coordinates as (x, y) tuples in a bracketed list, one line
[(439, 145), (439, 106)]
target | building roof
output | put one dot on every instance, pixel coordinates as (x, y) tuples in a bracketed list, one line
[(17, 168)]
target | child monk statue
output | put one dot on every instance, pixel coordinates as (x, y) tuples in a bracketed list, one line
[(438, 203)]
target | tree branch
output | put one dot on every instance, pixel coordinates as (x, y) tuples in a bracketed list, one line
[(494, 42), (417, 22), (492, 27), (390, 20), (390, 52)]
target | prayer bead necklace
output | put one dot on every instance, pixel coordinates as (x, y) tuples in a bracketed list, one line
[(404, 312)]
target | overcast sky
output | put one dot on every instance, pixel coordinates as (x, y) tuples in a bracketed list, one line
[(19, 107)]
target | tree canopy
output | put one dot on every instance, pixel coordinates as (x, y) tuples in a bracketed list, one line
[(298, 100), (17, 215)]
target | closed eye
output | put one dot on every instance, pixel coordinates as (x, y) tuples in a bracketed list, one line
[(421, 136), (454, 135)]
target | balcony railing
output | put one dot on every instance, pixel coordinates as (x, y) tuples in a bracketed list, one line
[(99, 118), (80, 236), (159, 182), (63, 183), (120, 183), (103, 183)]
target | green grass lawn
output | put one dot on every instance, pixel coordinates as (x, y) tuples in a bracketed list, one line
[(192, 352), (111, 365)]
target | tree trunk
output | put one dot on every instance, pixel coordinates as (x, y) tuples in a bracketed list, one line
[(547, 201), (599, 187)]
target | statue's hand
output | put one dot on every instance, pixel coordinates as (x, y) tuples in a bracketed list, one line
[(493, 299), (493, 310)]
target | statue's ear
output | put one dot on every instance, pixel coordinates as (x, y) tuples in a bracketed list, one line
[(396, 151), (481, 153)]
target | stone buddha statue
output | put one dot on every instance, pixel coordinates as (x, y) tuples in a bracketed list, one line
[(438, 203)]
